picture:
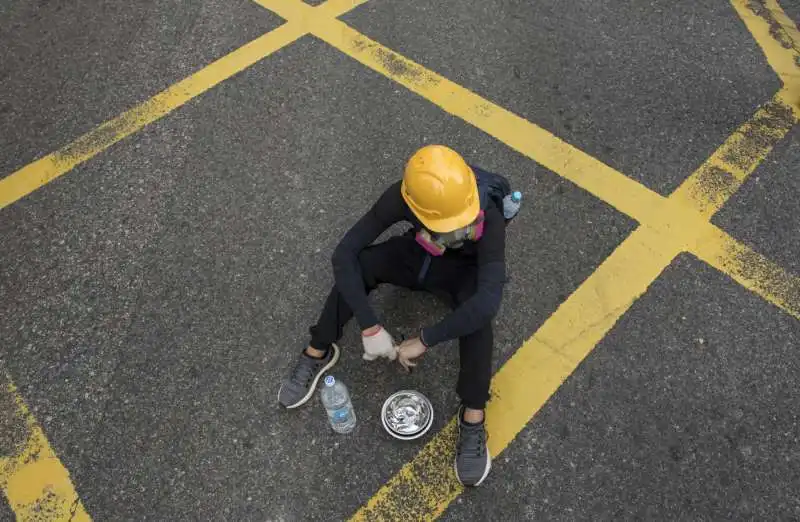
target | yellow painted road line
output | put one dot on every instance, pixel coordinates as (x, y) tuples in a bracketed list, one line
[(29, 178), (723, 173), (791, 34), (719, 178), (715, 182), (556, 349), (623, 193), (36, 484), (426, 485), (34, 480), (777, 36), (684, 216), (40, 172), (750, 269)]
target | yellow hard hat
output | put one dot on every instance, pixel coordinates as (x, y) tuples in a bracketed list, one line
[(441, 189)]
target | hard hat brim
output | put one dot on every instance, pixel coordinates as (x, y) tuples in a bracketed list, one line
[(449, 224)]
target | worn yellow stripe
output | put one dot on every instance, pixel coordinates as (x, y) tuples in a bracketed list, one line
[(749, 268), (29, 178), (309, 15), (684, 215), (790, 34), (34, 480), (716, 180), (606, 183), (723, 173), (777, 36), (299, 11), (36, 484), (424, 487), (708, 188), (40, 172)]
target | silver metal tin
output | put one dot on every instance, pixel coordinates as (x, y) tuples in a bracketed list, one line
[(407, 415)]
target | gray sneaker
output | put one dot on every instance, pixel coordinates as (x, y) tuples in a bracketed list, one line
[(473, 461), (302, 380)]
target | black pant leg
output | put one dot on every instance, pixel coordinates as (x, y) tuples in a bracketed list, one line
[(457, 277), (396, 261), (475, 372)]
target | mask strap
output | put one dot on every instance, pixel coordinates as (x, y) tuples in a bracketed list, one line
[(425, 241), (478, 229)]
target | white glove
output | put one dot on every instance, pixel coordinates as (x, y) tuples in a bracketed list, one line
[(380, 344)]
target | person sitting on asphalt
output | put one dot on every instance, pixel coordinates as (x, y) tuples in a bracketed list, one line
[(456, 247)]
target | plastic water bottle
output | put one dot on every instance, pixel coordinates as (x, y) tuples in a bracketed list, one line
[(336, 400), (511, 204)]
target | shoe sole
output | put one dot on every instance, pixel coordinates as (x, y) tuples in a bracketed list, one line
[(313, 386), (486, 470)]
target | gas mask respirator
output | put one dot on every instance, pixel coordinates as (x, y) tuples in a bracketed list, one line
[(436, 243)]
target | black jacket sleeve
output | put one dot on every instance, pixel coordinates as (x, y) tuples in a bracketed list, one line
[(479, 309), (389, 209)]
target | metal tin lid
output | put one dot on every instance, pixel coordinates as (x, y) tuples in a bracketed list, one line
[(407, 415)]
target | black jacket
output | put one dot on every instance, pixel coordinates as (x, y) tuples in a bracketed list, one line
[(488, 252)]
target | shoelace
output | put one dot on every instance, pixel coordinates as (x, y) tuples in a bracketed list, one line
[(304, 371), (472, 441)]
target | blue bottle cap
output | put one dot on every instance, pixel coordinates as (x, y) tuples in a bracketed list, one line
[(329, 380), (517, 195)]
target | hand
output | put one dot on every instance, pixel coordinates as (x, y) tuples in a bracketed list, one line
[(408, 350), (378, 343)]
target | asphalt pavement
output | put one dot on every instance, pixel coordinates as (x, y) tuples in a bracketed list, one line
[(154, 296)]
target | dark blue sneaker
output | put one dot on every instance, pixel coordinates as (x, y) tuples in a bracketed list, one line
[(473, 461), (302, 380)]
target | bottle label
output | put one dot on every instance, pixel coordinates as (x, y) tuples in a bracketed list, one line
[(341, 415)]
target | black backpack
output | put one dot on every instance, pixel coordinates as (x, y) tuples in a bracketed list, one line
[(492, 188)]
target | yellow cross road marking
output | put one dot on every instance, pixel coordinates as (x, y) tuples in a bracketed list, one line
[(424, 487), (684, 215), (34, 479)]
